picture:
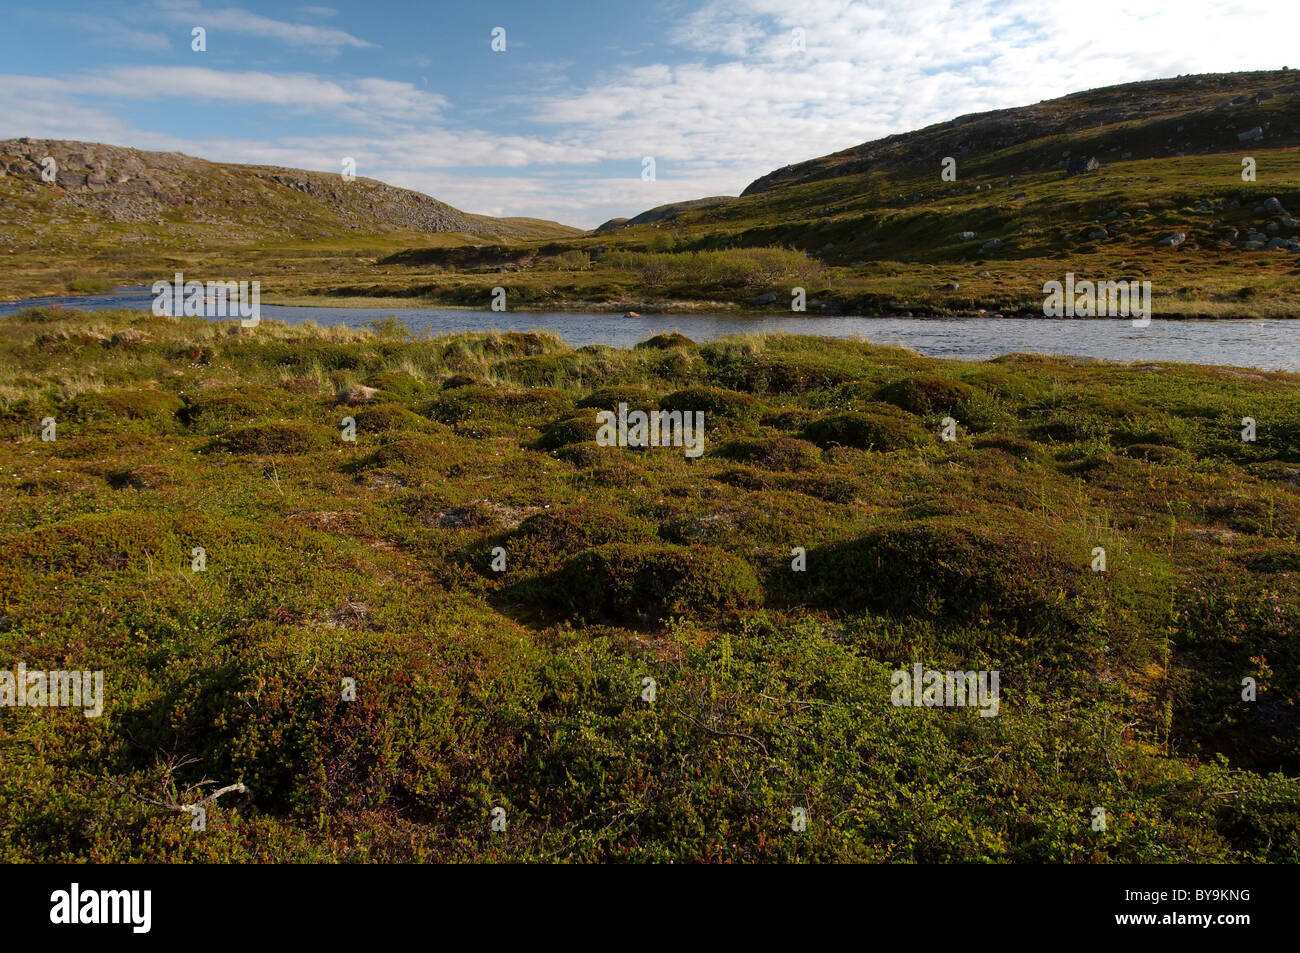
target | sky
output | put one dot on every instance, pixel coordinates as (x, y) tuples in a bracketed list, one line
[(558, 123)]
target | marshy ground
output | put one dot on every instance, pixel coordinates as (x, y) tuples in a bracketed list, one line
[(371, 560)]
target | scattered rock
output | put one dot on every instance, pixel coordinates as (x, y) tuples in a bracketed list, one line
[(1251, 135), (355, 394), (1172, 241)]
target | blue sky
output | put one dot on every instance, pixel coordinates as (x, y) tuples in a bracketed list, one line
[(557, 125)]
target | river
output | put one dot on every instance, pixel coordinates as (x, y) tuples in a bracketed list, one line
[(1262, 344)]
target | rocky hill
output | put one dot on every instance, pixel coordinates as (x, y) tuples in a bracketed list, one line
[(661, 212), (116, 184), (1172, 117)]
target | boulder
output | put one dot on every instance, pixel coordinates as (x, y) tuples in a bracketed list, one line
[(355, 394), (1251, 135), (1172, 241), (1077, 165)]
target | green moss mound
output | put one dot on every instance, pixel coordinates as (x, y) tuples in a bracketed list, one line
[(924, 394), (410, 452), (714, 401), (273, 438), (124, 403), (645, 583), (665, 342), (877, 431), (226, 405), (608, 398), (387, 417), (545, 541), (772, 453), (91, 543), (400, 384), (476, 401), (955, 574)]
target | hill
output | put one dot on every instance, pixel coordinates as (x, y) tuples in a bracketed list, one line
[(112, 206), (1138, 181)]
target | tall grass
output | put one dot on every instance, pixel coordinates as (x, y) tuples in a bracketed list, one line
[(728, 268)]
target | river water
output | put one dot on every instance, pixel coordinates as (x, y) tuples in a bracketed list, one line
[(1263, 344)]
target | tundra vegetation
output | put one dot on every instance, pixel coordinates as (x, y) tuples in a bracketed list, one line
[(329, 560)]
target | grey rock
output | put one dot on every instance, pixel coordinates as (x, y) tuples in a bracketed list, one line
[(1251, 135), (964, 236), (1172, 241), (765, 298), (1273, 206)]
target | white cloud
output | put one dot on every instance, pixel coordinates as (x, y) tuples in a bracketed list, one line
[(366, 99), (236, 20), (110, 32)]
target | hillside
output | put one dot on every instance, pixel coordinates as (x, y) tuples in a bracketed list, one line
[(1096, 183), (115, 213)]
